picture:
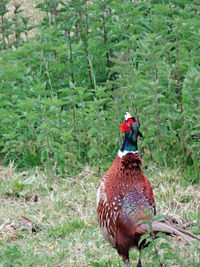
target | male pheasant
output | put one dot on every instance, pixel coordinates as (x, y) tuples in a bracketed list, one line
[(124, 195)]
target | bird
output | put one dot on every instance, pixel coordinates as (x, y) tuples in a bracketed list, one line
[(125, 199)]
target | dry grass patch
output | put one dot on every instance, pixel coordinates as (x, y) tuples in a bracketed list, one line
[(175, 197), (28, 7), (29, 10)]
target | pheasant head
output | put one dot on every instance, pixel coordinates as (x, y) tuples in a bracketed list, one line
[(131, 129)]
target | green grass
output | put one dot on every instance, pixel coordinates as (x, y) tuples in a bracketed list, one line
[(64, 209)]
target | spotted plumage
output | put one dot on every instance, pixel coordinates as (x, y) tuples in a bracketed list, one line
[(120, 195)]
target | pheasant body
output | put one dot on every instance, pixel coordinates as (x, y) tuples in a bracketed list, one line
[(122, 197)]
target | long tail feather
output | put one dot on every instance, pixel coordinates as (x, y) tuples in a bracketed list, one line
[(170, 229), (167, 228)]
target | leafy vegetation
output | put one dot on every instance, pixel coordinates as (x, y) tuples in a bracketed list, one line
[(64, 91)]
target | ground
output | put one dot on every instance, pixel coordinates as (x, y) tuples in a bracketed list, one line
[(63, 229)]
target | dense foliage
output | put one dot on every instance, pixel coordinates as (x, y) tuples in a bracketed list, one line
[(65, 90)]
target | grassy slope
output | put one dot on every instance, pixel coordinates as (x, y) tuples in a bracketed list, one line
[(65, 211)]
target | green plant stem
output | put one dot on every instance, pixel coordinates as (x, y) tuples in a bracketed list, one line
[(179, 93), (71, 56), (3, 30)]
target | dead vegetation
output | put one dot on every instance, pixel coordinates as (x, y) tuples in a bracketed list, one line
[(29, 10), (10, 231), (28, 7)]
